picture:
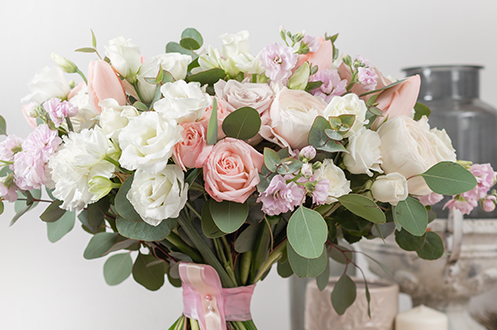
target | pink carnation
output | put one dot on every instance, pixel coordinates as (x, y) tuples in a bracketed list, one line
[(332, 85), (278, 60), (280, 197), (9, 147), (58, 110)]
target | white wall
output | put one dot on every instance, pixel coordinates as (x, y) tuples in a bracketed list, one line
[(51, 286)]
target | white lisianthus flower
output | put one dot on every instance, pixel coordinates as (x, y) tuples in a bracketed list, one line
[(47, 83), (390, 188), (125, 57), (87, 116), (115, 117), (248, 63), (234, 44), (349, 104), (80, 158), (183, 102), (339, 185), (209, 61), (159, 196), (364, 153), (147, 142)]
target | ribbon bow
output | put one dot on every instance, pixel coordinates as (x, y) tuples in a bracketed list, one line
[(205, 300)]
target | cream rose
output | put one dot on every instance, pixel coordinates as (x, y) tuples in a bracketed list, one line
[(238, 95), (339, 185), (183, 101), (292, 114), (115, 117), (364, 153), (390, 188), (147, 142), (125, 57), (440, 141), (406, 149), (349, 104), (46, 84), (160, 196)]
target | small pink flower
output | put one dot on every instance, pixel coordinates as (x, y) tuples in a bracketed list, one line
[(42, 140), (465, 206), (311, 42), (320, 193), (29, 170), (488, 204), (430, 199), (367, 77), (8, 189), (278, 60), (485, 178), (58, 110), (308, 152), (9, 147), (280, 197), (193, 149), (332, 85)]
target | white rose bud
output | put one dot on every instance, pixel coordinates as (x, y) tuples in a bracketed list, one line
[(390, 188), (349, 104), (234, 44)]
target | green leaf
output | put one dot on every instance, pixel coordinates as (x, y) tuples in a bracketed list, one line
[(99, 244), (174, 47), (421, 110), (284, 269), (86, 50), (384, 88), (246, 240), (93, 39), (208, 225), (323, 279), (243, 123), (58, 229), (123, 205), (23, 206), (412, 216), (149, 271), (212, 127), (271, 159), (307, 232), (289, 165), (140, 106), (363, 207), (311, 85), (228, 216), (448, 178), (433, 247), (303, 267), (2, 207), (318, 138), (343, 294), (3, 126), (142, 231), (208, 77), (341, 254), (409, 242), (117, 268), (191, 39), (53, 212)]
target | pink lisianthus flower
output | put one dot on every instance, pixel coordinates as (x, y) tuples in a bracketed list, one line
[(332, 85), (280, 197), (430, 199), (58, 110), (461, 204), (278, 60), (9, 147)]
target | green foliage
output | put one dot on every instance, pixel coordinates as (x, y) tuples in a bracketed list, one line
[(246, 240), (323, 278), (243, 123), (228, 216), (149, 271), (284, 269), (100, 244), (209, 227), (3, 126), (412, 216), (94, 215), (58, 229), (307, 232), (142, 231), (271, 159), (174, 47), (123, 205), (2, 207), (341, 254), (421, 110), (212, 126), (384, 88), (433, 247), (303, 267), (320, 140), (23, 205), (117, 268), (53, 212), (364, 207), (448, 178), (191, 39), (343, 294), (208, 77), (409, 242)]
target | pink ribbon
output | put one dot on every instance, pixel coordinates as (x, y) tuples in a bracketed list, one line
[(205, 300)]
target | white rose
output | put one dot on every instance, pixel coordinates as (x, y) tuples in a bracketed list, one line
[(46, 84), (160, 196), (174, 63), (292, 114), (87, 116), (147, 142), (364, 153), (115, 117), (79, 159), (406, 149), (124, 56), (390, 188), (238, 95), (234, 44), (339, 185), (349, 104), (208, 61), (183, 101), (440, 141)]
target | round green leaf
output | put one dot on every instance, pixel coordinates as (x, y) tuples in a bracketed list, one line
[(117, 268), (53, 212), (284, 269), (448, 178), (243, 123), (344, 294), (341, 254), (189, 43), (149, 271), (192, 34), (123, 205), (412, 216), (307, 232), (58, 229), (99, 244), (409, 242), (433, 247), (208, 77), (142, 231), (363, 207), (3, 126), (208, 225), (228, 216), (246, 240), (174, 47), (303, 267), (323, 278)]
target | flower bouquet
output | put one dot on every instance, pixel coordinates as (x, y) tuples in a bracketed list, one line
[(210, 165)]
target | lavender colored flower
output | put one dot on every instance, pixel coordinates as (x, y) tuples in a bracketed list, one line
[(9, 147), (280, 197), (461, 204), (42, 140), (320, 193), (332, 84), (311, 42), (278, 60), (58, 110), (29, 170)]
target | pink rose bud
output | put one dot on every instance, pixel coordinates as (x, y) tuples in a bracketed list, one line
[(308, 153), (103, 83), (488, 204)]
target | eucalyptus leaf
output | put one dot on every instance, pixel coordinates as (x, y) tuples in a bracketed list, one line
[(303, 267), (209, 227), (243, 123), (208, 77), (228, 216), (343, 294), (341, 254), (421, 110), (448, 178), (149, 271), (307, 232), (58, 229), (193, 36), (284, 269), (142, 231), (433, 247), (123, 205), (409, 242), (53, 212), (319, 140), (271, 159), (323, 279), (363, 207), (100, 244), (174, 47), (246, 240), (3, 126), (412, 216), (117, 268)]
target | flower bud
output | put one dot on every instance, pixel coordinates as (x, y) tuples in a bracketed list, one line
[(307, 153), (390, 188), (488, 204), (306, 170), (101, 186), (300, 78), (64, 63)]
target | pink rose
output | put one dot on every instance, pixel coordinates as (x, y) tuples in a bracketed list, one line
[(323, 57), (193, 149), (103, 83), (231, 172)]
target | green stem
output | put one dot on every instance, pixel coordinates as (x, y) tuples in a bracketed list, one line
[(271, 259), (175, 240), (246, 260), (69, 124), (249, 325), (78, 71), (193, 210)]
